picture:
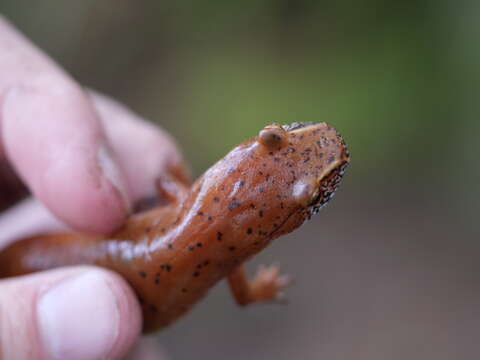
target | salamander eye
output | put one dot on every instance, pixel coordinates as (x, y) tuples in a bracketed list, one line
[(272, 136)]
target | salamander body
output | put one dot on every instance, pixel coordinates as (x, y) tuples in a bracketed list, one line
[(171, 255)]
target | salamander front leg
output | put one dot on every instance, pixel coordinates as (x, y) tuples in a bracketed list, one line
[(267, 285), (169, 190)]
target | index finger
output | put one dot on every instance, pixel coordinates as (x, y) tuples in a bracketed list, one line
[(52, 136)]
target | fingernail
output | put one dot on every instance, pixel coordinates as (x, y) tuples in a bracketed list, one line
[(79, 318), (112, 173)]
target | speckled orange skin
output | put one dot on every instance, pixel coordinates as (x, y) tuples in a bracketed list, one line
[(173, 254)]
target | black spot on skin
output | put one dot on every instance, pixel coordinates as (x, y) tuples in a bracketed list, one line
[(157, 281), (206, 262), (281, 205), (210, 218), (216, 199), (196, 274), (264, 164), (200, 213), (184, 290), (170, 246), (260, 173), (219, 236), (153, 308), (143, 274), (166, 267), (252, 206), (234, 204), (249, 231), (241, 183), (260, 213), (270, 153), (306, 160), (232, 248), (199, 244), (267, 177)]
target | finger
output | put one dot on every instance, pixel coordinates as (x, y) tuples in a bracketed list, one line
[(75, 313), (132, 139), (144, 150), (53, 138), (26, 219)]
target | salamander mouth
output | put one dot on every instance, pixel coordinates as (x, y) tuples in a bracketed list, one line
[(328, 186)]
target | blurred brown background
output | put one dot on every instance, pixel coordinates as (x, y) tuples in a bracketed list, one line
[(390, 269)]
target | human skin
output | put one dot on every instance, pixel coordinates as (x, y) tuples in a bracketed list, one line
[(54, 133)]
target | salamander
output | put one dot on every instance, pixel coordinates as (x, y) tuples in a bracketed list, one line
[(172, 254)]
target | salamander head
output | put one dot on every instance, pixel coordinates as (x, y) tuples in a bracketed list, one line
[(269, 185), (313, 155)]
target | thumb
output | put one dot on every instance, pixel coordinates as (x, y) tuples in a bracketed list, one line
[(71, 313)]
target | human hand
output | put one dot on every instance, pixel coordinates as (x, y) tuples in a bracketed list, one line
[(86, 160)]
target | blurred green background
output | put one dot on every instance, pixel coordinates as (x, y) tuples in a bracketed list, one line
[(390, 269)]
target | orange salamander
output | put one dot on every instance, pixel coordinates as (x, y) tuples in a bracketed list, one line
[(172, 254)]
